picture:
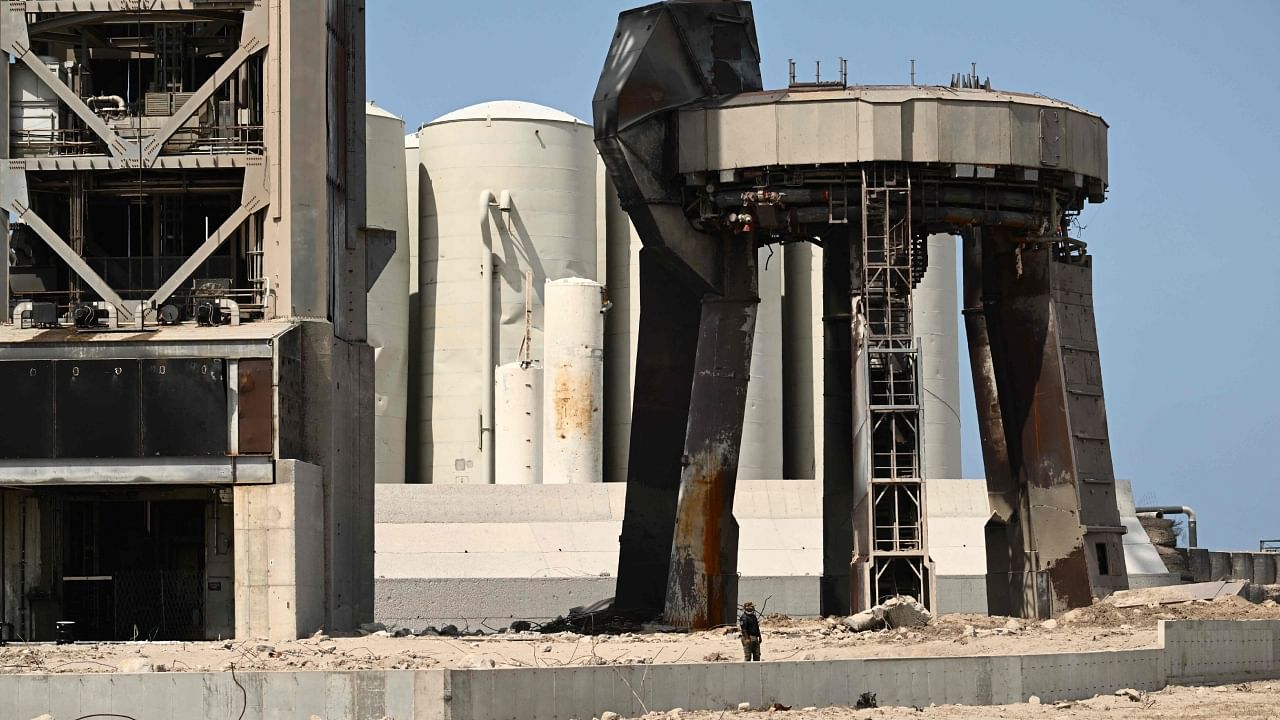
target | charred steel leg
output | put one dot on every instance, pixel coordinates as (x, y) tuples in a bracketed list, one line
[(1065, 528), (702, 589), (670, 314)]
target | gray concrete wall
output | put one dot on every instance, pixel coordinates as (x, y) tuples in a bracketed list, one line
[(1188, 652), (367, 695), (475, 555)]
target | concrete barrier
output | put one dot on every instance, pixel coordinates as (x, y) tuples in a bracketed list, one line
[(1188, 651)]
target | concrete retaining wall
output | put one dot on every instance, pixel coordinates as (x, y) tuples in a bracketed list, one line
[(1189, 651)]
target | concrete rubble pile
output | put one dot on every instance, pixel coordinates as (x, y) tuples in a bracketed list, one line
[(898, 612)]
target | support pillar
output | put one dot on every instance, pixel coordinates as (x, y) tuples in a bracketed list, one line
[(279, 536), (702, 587), (837, 429), (1064, 533), (670, 315)]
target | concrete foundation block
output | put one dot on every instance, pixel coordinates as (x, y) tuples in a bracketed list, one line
[(1219, 566), (1198, 564), (279, 560), (1264, 569), (1242, 566)]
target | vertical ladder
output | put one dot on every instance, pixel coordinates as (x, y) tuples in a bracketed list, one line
[(894, 553), (168, 76)]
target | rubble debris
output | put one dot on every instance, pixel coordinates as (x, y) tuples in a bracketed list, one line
[(744, 706), (866, 701), (894, 613), (371, 628), (449, 631), (1174, 594), (609, 715), (1134, 695), (520, 626)]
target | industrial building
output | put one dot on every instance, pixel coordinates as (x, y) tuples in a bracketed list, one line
[(187, 436)]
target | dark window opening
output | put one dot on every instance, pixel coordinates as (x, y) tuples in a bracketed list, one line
[(1104, 567)]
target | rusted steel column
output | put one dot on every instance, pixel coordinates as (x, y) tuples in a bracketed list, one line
[(665, 351), (702, 588), (1044, 354), (837, 429)]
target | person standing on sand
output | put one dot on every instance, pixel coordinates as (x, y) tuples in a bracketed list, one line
[(749, 626)]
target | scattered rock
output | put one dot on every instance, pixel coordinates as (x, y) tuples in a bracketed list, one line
[(137, 665), (521, 626), (429, 631), (744, 707), (1014, 625), (402, 632), (371, 628), (905, 612), (609, 715), (45, 716), (866, 701), (864, 621), (475, 662), (1130, 693), (675, 713), (1049, 624), (779, 707), (715, 656), (1033, 700), (450, 631), (381, 634)]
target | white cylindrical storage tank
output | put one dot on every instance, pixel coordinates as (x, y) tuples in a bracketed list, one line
[(573, 392), (412, 168), (518, 441), (388, 314), (936, 316), (622, 332), (802, 360), (508, 203), (760, 457)]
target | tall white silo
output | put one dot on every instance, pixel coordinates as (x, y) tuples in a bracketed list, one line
[(508, 202), (388, 319), (935, 314), (760, 457), (622, 330), (802, 361), (573, 384), (412, 168)]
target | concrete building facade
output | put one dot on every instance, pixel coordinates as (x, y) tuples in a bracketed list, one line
[(187, 452)]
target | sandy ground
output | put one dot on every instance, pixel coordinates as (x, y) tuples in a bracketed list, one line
[(1250, 701), (1100, 627)]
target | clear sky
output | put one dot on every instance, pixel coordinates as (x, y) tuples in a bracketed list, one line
[(1187, 247)]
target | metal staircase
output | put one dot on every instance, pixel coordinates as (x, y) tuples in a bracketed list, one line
[(891, 536)]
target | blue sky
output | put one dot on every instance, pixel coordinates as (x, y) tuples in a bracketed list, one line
[(1186, 247)]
